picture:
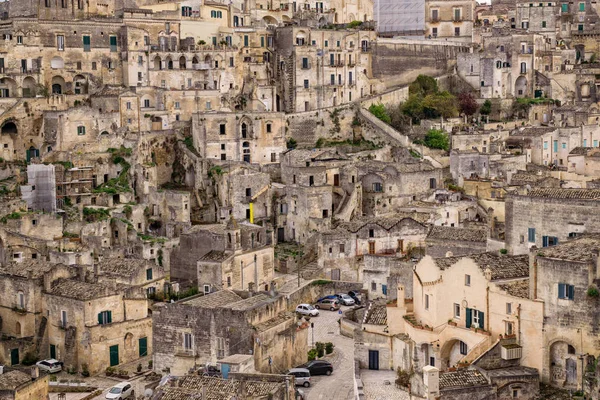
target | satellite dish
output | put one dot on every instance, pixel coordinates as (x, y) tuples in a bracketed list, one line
[(464, 304)]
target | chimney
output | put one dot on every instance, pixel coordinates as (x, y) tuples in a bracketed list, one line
[(487, 273), (35, 373), (431, 380), (400, 296), (272, 290)]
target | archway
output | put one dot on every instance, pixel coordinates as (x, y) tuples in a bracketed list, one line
[(8, 87), (452, 352), (301, 38), (58, 85), (169, 63), (9, 128), (29, 87), (32, 152), (521, 87), (80, 85), (563, 364), (208, 60), (18, 329), (195, 62), (157, 63), (269, 20), (182, 63)]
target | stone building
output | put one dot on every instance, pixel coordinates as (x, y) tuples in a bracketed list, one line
[(215, 255), (321, 68), (208, 328), (86, 319), (450, 19), (472, 164), (446, 241), (528, 224), (584, 161), (23, 384)]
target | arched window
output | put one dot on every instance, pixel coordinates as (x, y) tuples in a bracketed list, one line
[(244, 131), (229, 238)]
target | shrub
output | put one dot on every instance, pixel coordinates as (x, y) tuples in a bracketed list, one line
[(150, 364), (437, 139), (320, 349), (53, 378), (593, 291), (354, 24), (29, 358), (291, 143), (329, 347), (312, 354), (467, 103), (503, 251), (380, 112), (486, 108), (139, 367), (85, 371), (110, 371), (403, 377)]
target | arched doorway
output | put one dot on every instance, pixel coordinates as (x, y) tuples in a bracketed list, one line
[(194, 62), (9, 128), (563, 364), (169, 63), (32, 152), (269, 20), (58, 85), (452, 352), (521, 87), (182, 63), (29, 87), (156, 123), (157, 63), (246, 151), (80, 84)]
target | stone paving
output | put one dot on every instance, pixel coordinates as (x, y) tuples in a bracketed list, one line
[(376, 387), (340, 385)]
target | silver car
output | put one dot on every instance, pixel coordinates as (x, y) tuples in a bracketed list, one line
[(346, 300), (51, 365)]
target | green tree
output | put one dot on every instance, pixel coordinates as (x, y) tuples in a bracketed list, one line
[(413, 107), (441, 104), (423, 85), (486, 108), (436, 139), (380, 112)]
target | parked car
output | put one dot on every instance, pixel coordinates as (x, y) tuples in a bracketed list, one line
[(345, 299), (332, 296), (318, 367), (120, 391), (301, 376), (307, 309), (328, 304), (51, 365), (355, 296)]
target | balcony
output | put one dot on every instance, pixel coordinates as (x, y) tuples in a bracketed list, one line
[(457, 19), (184, 352), (511, 351), (203, 66), (305, 66), (434, 20)]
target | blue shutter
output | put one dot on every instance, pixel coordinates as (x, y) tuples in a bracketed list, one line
[(481, 320), (544, 241), (561, 291), (570, 292), (531, 235), (468, 315)]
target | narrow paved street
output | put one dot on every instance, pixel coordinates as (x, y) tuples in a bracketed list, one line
[(338, 386)]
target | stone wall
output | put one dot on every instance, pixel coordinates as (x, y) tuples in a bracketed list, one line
[(311, 292)]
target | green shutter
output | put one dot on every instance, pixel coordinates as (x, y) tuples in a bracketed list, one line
[(100, 318), (561, 290), (571, 292), (109, 317), (86, 40), (468, 315), (481, 320), (149, 274), (113, 40)]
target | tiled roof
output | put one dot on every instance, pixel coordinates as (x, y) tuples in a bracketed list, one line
[(215, 255), (385, 222), (214, 300), (462, 378), (579, 151), (121, 266), (79, 290), (502, 266), (517, 288), (559, 193), (582, 249), (462, 234), (250, 302), (224, 387), (376, 314), (34, 267), (277, 320), (13, 379)]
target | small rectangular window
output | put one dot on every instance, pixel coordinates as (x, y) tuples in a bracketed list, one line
[(581, 6), (427, 302), (456, 310), (87, 43), (306, 84), (509, 308), (467, 280), (222, 129), (463, 348), (566, 291), (149, 274), (371, 233), (531, 235), (81, 130), (113, 44), (60, 42)]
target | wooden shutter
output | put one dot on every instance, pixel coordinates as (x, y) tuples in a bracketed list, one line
[(468, 315), (481, 320), (100, 318), (561, 291), (570, 292)]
